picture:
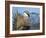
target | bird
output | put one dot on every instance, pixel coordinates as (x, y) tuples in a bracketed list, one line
[(26, 13)]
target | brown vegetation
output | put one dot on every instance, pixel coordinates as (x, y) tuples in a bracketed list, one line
[(21, 22)]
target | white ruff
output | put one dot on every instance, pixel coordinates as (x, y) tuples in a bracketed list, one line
[(25, 14)]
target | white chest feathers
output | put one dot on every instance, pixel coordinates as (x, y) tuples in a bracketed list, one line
[(25, 15)]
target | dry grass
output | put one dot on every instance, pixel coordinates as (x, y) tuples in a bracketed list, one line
[(21, 22)]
